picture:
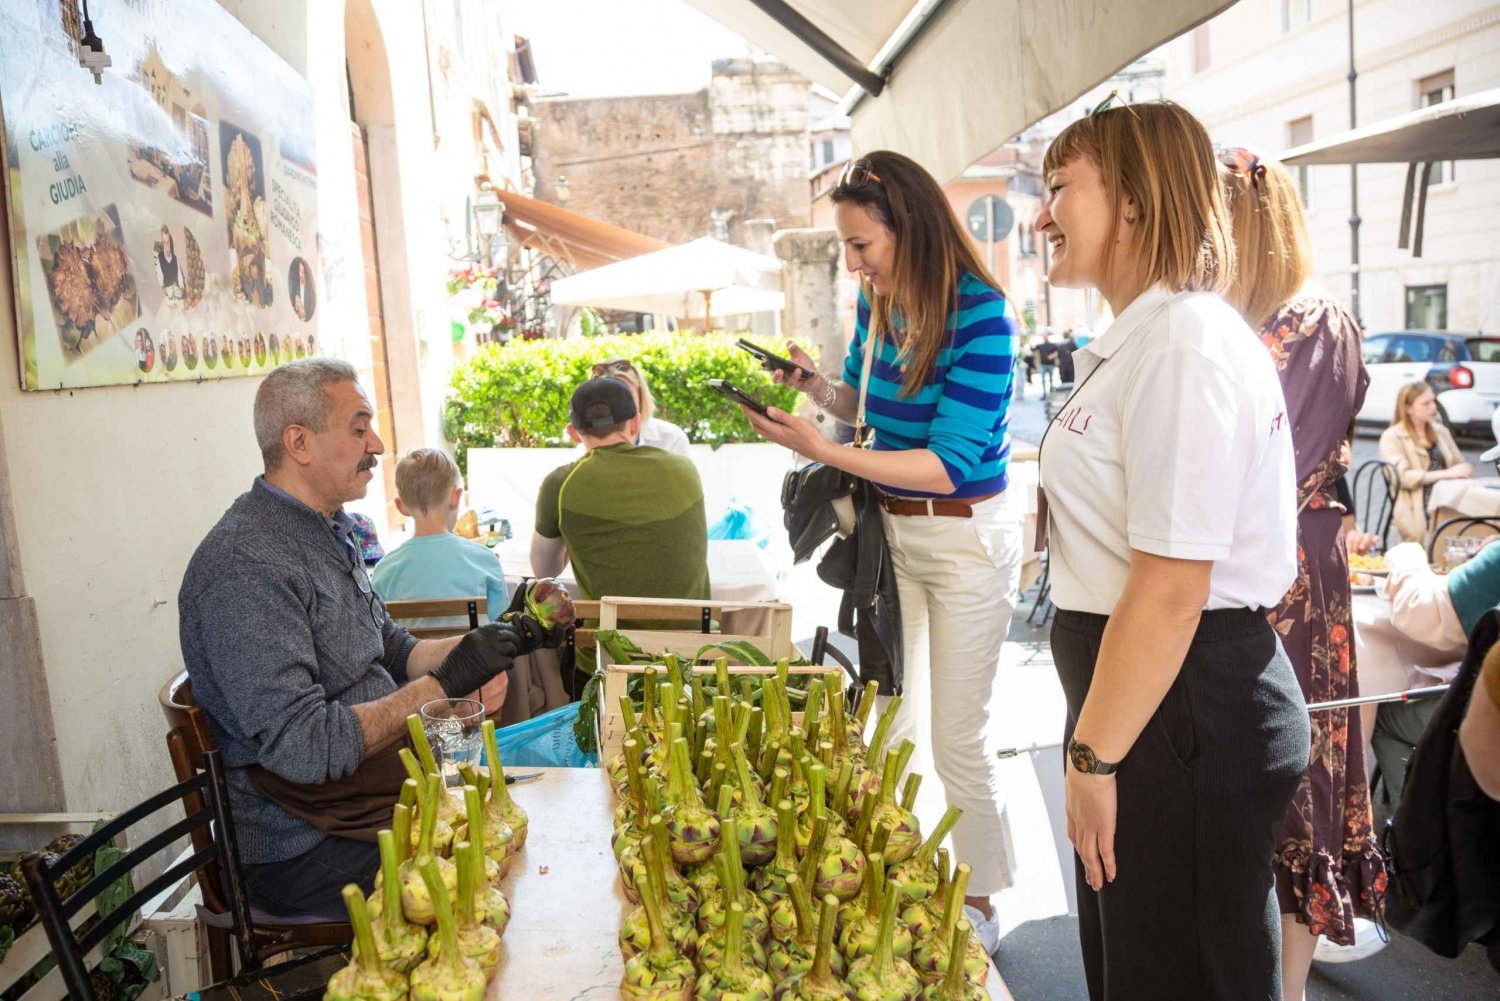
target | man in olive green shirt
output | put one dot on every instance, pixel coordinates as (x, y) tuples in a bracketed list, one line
[(630, 517)]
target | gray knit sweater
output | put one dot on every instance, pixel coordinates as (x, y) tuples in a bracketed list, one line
[(280, 640)]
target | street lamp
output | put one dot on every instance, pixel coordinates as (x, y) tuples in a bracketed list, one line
[(489, 214)]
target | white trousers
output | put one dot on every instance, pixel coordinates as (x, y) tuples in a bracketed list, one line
[(957, 579)]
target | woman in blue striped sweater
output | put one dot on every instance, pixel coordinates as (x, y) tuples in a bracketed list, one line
[(944, 343)]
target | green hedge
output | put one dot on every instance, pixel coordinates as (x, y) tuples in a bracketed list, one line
[(517, 394)]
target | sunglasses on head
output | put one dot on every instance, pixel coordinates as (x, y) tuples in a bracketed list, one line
[(858, 173), (1238, 160), (613, 366), (1114, 96)]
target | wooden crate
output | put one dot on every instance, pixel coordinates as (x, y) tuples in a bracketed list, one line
[(611, 723), (766, 624)]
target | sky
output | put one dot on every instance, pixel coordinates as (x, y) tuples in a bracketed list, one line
[(600, 48)]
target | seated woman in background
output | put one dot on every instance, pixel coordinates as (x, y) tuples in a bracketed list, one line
[(655, 432), (1423, 452)]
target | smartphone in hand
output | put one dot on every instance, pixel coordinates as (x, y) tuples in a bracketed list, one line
[(732, 392), (770, 360)]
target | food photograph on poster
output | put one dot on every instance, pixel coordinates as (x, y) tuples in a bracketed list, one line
[(156, 214)]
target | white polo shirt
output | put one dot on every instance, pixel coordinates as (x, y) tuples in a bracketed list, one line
[(1177, 443)]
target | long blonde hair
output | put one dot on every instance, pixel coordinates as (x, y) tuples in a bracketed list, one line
[(1160, 157), (1273, 259), (932, 252)]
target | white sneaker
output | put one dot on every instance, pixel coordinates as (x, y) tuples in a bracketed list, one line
[(1368, 940), (988, 929)]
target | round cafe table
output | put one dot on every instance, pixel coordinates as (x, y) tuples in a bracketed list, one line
[(1471, 498)]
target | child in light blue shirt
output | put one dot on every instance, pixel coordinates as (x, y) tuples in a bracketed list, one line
[(435, 563)]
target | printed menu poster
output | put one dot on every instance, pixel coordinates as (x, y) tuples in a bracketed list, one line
[(163, 221)]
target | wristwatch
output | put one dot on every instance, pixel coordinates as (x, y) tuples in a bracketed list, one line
[(1084, 760)]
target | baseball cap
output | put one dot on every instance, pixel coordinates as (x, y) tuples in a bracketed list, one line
[(601, 403)]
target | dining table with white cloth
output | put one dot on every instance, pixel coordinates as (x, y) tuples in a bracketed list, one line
[(1389, 661), (1476, 497)]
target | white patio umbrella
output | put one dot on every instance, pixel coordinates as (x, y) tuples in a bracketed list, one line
[(704, 276)]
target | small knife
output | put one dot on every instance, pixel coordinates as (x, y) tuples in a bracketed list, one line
[(511, 779)]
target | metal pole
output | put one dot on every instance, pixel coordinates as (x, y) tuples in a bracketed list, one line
[(1353, 188), (989, 233)]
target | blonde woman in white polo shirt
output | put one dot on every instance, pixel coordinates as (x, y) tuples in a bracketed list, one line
[(1170, 499)]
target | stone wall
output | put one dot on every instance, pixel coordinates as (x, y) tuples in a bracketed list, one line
[(681, 166)]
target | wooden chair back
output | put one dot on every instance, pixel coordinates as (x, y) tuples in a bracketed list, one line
[(474, 608)]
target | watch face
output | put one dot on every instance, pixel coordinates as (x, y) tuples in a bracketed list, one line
[(1083, 757)]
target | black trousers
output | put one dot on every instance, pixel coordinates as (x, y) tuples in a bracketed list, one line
[(1192, 913), (312, 884)]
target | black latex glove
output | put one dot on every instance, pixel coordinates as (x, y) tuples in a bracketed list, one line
[(480, 655), (517, 601)]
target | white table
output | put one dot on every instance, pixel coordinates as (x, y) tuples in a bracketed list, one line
[(565, 897), (1474, 498)]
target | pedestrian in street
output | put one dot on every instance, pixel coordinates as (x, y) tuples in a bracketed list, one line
[(1046, 354), (1170, 503), (1329, 871), (943, 337)]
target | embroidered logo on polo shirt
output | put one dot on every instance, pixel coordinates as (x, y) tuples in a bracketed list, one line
[(1074, 420), (1277, 423)]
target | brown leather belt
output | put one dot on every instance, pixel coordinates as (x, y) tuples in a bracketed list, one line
[(942, 507)]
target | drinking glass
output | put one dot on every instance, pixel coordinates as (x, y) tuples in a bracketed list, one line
[(1459, 549), (452, 727)]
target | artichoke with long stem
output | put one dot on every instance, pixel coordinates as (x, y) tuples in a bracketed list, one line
[(635, 930), (399, 943), (934, 954), (817, 806), (906, 832), (955, 985), (882, 975), (447, 809), (616, 767), (414, 793), (861, 935), (713, 941), (693, 828), (769, 881), (862, 714), (834, 864), (494, 845), (793, 952), (712, 912), (489, 901), (632, 814), (916, 879), (812, 712), (732, 979), (416, 899), (401, 831), (821, 982), (659, 973), (476, 940), (923, 918), (867, 779), (758, 822), (449, 975), (366, 978), (501, 809)]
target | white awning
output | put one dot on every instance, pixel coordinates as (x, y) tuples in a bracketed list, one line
[(691, 279), (949, 81), (1467, 128)]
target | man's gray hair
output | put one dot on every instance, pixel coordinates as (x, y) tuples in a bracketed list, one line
[(294, 394)]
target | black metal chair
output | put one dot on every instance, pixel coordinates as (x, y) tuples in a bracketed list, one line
[(1460, 526), (1043, 602), (56, 913), (1375, 485)]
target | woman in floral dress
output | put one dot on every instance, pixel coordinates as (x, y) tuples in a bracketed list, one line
[(1328, 865)]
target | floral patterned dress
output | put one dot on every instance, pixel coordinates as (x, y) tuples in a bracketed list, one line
[(1328, 864)]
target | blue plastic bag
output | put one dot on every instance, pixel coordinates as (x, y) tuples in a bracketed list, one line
[(544, 741), (739, 522)]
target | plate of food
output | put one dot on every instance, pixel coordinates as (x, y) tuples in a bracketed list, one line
[(1367, 563), (1361, 582)]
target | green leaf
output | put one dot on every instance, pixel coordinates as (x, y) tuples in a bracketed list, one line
[(741, 650), (114, 894)]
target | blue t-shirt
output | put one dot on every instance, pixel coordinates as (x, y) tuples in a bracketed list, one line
[(962, 413), (1475, 586), (441, 566)]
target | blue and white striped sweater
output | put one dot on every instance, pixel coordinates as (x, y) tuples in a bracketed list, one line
[(962, 413)]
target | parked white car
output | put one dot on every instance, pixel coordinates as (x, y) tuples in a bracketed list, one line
[(1463, 370)]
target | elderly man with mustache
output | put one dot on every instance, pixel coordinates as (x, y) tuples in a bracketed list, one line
[(306, 682)]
